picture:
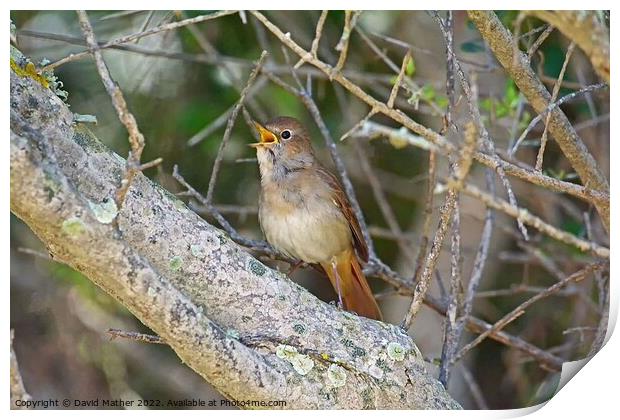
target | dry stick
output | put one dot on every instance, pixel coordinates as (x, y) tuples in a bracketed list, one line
[(471, 93), (421, 287), (230, 125), (428, 215), (587, 30), (602, 198), (145, 338), (536, 222), (399, 79), (138, 35), (449, 342), (136, 138), (373, 129), (601, 331), (317, 39), (551, 107), (451, 324), (411, 86), (463, 166), (536, 45), (405, 288), (520, 310), (391, 99), (500, 42), (350, 19)]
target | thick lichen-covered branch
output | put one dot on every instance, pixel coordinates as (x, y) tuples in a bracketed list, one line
[(248, 330)]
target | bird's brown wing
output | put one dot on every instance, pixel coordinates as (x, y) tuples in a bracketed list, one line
[(340, 199)]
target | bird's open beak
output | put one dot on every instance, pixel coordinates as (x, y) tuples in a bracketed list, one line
[(267, 138)]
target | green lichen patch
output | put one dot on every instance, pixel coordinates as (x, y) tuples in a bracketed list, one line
[(301, 363), (257, 268), (175, 263), (105, 212), (337, 375), (73, 227), (396, 352)]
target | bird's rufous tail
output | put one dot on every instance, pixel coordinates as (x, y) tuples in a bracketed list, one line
[(354, 289)]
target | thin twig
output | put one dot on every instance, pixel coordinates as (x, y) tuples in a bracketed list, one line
[(539, 41), (536, 222), (350, 19), (551, 107), (471, 92), (138, 35), (230, 125), (145, 338), (428, 215), (399, 79), (450, 342), (520, 310), (136, 138), (317, 39)]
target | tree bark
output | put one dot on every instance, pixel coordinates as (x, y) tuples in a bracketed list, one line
[(224, 313)]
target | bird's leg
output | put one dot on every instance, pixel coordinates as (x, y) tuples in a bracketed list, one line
[(337, 277), (294, 267)]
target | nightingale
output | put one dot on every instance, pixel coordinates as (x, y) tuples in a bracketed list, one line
[(305, 214)]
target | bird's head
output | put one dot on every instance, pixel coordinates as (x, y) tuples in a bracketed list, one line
[(284, 146)]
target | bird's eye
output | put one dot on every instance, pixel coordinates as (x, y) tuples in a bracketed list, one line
[(286, 134)]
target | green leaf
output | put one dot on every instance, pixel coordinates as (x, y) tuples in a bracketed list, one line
[(428, 92), (410, 69)]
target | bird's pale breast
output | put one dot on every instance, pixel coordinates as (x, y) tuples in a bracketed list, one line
[(302, 221)]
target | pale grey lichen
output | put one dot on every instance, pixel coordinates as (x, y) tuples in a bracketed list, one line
[(197, 251), (376, 372), (284, 351), (232, 333), (301, 363), (73, 226), (104, 212), (180, 206), (84, 118), (337, 375), (175, 262), (396, 352)]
